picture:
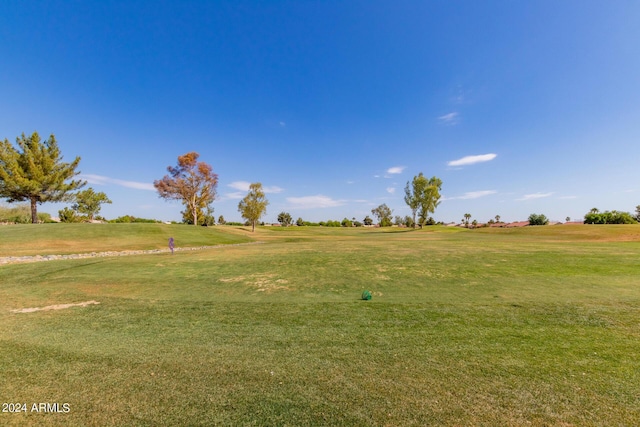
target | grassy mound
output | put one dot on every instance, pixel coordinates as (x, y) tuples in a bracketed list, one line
[(48, 239)]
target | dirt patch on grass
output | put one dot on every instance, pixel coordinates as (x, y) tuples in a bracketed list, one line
[(263, 282), (267, 284), (54, 307), (232, 279)]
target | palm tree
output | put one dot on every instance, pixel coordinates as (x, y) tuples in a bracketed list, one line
[(466, 219)]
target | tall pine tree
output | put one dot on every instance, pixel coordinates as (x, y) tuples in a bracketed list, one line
[(35, 172)]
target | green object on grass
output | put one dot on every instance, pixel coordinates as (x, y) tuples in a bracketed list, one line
[(366, 295)]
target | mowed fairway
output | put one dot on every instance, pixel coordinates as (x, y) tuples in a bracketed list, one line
[(533, 326)]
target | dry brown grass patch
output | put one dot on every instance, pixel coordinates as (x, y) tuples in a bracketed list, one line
[(55, 307)]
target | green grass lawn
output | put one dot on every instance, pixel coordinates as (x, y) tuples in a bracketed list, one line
[(534, 326), (48, 239)]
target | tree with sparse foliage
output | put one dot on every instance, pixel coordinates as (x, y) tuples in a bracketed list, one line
[(192, 182), (367, 220), (221, 220), (88, 202), (383, 213), (299, 222), (412, 193), (254, 205), (35, 172), (535, 219), (637, 213), (284, 218), (422, 195)]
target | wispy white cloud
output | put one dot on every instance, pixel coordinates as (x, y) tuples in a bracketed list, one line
[(105, 180), (391, 190), (472, 195), (450, 118), (240, 185), (459, 98), (461, 95), (534, 196), (95, 179), (313, 202), (470, 160), (272, 189), (477, 194), (396, 170), (244, 186), (234, 195), (282, 124)]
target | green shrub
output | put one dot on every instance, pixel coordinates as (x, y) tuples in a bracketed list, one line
[(68, 215), (606, 217), (535, 219), (131, 218), (18, 214), (44, 217)]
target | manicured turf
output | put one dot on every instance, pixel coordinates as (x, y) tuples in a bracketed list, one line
[(535, 326), (48, 239)]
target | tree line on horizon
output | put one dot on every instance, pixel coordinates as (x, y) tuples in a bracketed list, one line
[(34, 172)]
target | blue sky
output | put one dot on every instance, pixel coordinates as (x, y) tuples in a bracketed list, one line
[(519, 107)]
